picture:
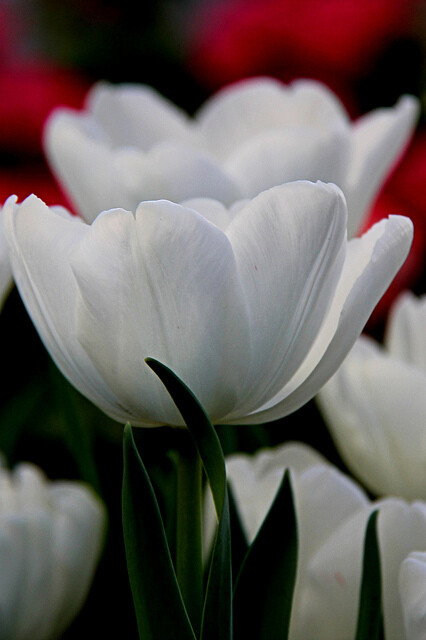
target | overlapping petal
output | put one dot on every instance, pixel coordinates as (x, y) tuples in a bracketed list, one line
[(378, 141), (367, 271), (130, 145), (248, 108), (236, 313), (405, 333), (375, 406)]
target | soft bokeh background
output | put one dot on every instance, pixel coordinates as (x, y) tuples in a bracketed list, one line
[(369, 51)]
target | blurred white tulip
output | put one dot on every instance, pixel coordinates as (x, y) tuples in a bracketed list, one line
[(254, 317), (6, 279), (131, 144), (51, 536), (332, 513), (412, 585), (375, 405)]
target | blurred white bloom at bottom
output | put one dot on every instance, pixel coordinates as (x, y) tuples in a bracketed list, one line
[(412, 585), (375, 405), (332, 513), (51, 536)]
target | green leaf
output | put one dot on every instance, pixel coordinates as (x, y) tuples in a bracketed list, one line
[(370, 613), (217, 612), (238, 536), (159, 608), (264, 590)]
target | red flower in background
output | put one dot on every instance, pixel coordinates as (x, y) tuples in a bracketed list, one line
[(30, 89), (333, 40), (405, 194), (29, 92)]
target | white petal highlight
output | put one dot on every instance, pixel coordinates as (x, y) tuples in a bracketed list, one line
[(39, 242), (370, 265), (379, 139), (289, 246), (174, 283)]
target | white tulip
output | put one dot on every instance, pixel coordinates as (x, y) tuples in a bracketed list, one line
[(375, 405), (51, 536), (6, 279), (412, 585), (253, 318), (332, 513), (130, 144)]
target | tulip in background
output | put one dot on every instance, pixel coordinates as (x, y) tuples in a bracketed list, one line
[(130, 144), (375, 405), (254, 317), (405, 192), (332, 512), (412, 579), (51, 536), (6, 278)]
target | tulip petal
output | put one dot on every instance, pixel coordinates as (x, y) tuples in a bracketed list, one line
[(405, 334), (39, 242), (255, 479), (137, 115), (98, 177), (289, 245), (325, 500), (378, 140), (212, 210), (50, 541), (177, 298), (6, 278), (82, 160), (293, 153), (239, 111), (371, 263), (78, 524), (327, 605), (374, 405), (402, 529), (412, 587), (171, 171), (249, 107)]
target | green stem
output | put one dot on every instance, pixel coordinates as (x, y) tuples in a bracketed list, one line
[(189, 563)]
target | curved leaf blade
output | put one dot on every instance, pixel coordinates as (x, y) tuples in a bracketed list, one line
[(370, 612), (217, 612), (159, 608), (265, 585)]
